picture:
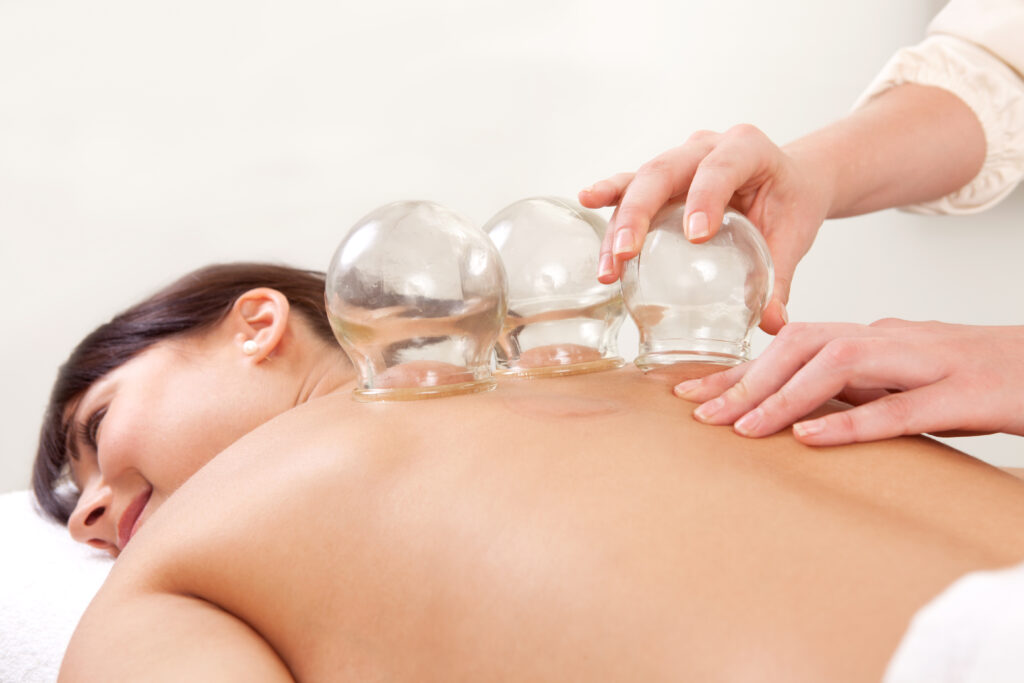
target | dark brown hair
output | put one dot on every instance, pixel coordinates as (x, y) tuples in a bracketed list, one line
[(196, 301)]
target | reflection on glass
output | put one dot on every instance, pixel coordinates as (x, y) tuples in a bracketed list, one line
[(416, 297), (561, 320), (697, 302)]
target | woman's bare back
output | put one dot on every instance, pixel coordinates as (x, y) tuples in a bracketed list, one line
[(583, 528)]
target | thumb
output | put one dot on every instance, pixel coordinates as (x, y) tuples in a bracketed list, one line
[(775, 316), (786, 253)]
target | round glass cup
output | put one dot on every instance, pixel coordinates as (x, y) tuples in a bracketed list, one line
[(560, 320), (416, 296), (697, 302)]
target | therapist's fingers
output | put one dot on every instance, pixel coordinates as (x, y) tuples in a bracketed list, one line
[(748, 171), (910, 377), (926, 409), (774, 317), (785, 356), (856, 397), (785, 257), (655, 183), (859, 363), (743, 159), (608, 269), (605, 192), (664, 177), (891, 323), (706, 388), (789, 223)]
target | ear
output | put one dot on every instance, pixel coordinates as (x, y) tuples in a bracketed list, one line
[(260, 315)]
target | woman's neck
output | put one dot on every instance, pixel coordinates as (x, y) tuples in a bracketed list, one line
[(331, 372)]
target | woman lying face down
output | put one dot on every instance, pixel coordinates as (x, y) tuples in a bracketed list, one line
[(580, 528)]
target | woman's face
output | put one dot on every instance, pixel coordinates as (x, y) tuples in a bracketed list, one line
[(150, 424)]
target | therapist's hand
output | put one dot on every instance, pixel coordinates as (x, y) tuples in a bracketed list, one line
[(904, 377), (785, 197)]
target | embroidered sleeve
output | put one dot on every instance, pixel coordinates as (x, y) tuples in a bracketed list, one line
[(995, 93)]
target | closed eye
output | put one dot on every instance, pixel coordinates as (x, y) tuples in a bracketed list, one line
[(92, 427)]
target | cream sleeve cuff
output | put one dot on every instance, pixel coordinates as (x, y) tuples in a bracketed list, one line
[(991, 89)]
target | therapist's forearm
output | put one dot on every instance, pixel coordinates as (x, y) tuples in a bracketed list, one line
[(911, 144)]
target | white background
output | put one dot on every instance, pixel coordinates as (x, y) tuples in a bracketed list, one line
[(141, 139)]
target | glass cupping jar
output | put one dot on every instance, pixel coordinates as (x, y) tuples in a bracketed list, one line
[(416, 296), (560, 320), (697, 302)]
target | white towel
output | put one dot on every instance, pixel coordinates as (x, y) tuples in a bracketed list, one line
[(46, 582), (972, 633)]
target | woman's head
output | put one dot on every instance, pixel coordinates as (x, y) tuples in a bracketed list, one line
[(170, 379)]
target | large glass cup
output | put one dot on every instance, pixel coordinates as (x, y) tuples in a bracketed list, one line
[(416, 296), (560, 320), (697, 302)]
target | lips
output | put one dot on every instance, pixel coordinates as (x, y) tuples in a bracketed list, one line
[(129, 522)]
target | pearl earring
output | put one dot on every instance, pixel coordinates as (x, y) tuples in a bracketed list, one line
[(250, 347)]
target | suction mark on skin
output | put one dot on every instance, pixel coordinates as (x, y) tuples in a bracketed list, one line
[(561, 405)]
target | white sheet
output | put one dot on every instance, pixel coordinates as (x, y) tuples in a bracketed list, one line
[(972, 633), (46, 582)]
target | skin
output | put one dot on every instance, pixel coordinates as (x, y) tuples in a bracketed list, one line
[(165, 415), (555, 529), (881, 155), (906, 377)]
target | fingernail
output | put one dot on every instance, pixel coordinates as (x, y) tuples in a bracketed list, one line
[(706, 410), (784, 314), (698, 226), (748, 423), (623, 242), (683, 388), (605, 265), (588, 189), (810, 427)]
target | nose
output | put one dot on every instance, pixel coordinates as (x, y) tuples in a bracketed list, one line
[(92, 520)]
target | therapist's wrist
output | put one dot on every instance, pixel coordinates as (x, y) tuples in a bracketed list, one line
[(818, 163), (912, 143)]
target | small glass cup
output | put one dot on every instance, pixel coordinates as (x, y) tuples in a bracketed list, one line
[(560, 320), (416, 296), (697, 302)]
